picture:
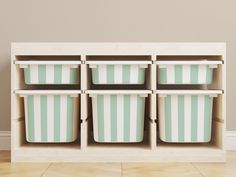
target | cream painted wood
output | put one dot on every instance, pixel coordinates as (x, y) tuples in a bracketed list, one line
[(151, 150)]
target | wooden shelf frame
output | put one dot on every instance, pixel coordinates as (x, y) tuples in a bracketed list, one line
[(83, 54)]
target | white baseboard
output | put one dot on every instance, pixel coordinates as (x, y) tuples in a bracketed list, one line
[(5, 140), (230, 141)]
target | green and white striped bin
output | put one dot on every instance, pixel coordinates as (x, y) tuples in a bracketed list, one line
[(185, 117), (118, 73), (185, 72), (51, 73), (118, 118), (51, 118)]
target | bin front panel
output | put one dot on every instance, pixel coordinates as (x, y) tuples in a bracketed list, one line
[(185, 118), (185, 74), (50, 118), (118, 118), (118, 74), (51, 74)]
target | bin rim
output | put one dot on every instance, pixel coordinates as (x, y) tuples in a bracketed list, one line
[(118, 92), (188, 92), (184, 62), (48, 92), (51, 62), (103, 62)]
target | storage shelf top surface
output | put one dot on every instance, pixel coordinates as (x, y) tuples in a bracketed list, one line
[(94, 48)]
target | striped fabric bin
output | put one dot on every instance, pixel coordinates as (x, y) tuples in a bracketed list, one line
[(185, 118), (118, 118), (51, 118), (185, 74), (51, 74), (118, 73)]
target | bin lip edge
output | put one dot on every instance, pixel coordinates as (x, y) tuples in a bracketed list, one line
[(117, 92), (118, 62), (48, 92), (199, 62), (191, 92), (32, 62)]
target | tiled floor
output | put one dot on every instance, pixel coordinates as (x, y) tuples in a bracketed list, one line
[(117, 169)]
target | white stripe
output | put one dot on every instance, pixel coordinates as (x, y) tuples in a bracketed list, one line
[(162, 118), (75, 117), (63, 118), (120, 118), (95, 118), (107, 118), (102, 74), (134, 74), (170, 72), (26, 116), (118, 74), (200, 119), (133, 117), (187, 118), (37, 118), (174, 118), (186, 74), (49, 74), (65, 75), (34, 74), (50, 118), (202, 69)]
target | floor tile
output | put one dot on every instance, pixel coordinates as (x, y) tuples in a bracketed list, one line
[(22, 169), (159, 169), (84, 170)]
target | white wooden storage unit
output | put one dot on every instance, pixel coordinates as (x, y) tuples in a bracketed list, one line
[(86, 149)]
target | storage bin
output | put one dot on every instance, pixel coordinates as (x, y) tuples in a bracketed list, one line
[(185, 72), (185, 117), (51, 118), (118, 73), (118, 117), (51, 73)]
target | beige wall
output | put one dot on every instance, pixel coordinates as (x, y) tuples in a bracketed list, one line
[(116, 21)]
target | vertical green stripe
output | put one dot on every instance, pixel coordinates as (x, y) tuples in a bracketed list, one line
[(126, 117), (178, 74), (126, 74), (162, 76), (30, 111), (95, 75), (140, 118), (110, 74), (194, 117), (57, 100), (74, 75), (141, 75), (181, 118), (209, 75), (43, 107), (207, 118), (194, 74), (168, 118), (57, 74), (113, 118), (27, 74), (70, 117), (42, 74), (100, 117)]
